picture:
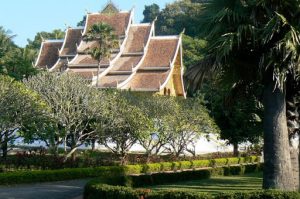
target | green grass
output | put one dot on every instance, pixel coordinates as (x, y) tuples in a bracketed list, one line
[(250, 182)]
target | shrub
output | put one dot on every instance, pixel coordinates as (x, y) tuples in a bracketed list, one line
[(133, 169), (57, 175), (234, 170), (201, 163), (162, 178), (176, 166), (151, 168), (178, 195), (103, 191), (219, 162), (218, 171), (259, 195), (95, 190), (166, 166), (186, 165), (232, 161)]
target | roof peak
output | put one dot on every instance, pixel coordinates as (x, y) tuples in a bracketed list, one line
[(110, 8)]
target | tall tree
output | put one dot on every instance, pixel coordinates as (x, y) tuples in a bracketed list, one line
[(14, 61), (257, 42), (150, 13), (190, 120), (123, 124), (236, 109), (19, 109), (74, 107), (106, 40)]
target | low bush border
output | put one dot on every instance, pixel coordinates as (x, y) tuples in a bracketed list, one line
[(111, 189), (19, 177)]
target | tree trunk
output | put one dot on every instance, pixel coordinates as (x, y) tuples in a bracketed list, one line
[(235, 150), (71, 154), (93, 145), (98, 72), (277, 161), (4, 146), (295, 166), (65, 144)]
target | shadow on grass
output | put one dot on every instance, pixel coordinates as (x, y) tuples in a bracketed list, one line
[(217, 184)]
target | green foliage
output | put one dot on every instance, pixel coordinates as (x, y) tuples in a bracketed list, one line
[(121, 125), (35, 44), (232, 161), (259, 195), (178, 16), (14, 61), (152, 168), (178, 195), (162, 178), (105, 188), (219, 162), (235, 108), (166, 166), (133, 169), (186, 165), (106, 39), (20, 110), (73, 105), (201, 163), (193, 50), (150, 13), (103, 191), (21, 177)]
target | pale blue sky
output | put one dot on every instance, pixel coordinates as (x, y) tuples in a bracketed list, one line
[(25, 18)]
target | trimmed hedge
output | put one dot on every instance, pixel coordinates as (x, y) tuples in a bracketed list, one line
[(98, 188), (162, 178), (103, 191), (18, 177)]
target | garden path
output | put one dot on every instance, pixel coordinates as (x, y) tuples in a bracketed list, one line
[(50, 190)]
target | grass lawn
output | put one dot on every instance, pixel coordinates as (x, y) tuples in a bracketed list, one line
[(217, 184)]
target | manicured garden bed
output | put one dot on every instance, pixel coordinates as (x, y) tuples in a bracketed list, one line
[(161, 171)]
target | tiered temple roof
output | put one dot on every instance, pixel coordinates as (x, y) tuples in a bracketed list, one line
[(143, 62)]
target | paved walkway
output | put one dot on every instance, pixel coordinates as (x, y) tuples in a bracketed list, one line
[(54, 190)]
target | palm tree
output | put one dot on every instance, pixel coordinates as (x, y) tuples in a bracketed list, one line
[(257, 42), (106, 40)]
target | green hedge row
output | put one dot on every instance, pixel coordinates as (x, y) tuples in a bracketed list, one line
[(171, 177), (121, 186), (119, 192), (18, 177), (185, 165)]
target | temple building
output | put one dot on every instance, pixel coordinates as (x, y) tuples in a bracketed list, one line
[(143, 62)]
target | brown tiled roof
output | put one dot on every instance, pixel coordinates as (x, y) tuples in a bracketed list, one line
[(49, 54), (118, 21), (126, 63), (110, 81), (85, 73), (160, 53), (137, 38), (148, 80), (73, 38), (87, 60)]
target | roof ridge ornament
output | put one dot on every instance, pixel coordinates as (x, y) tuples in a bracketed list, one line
[(183, 31), (110, 8)]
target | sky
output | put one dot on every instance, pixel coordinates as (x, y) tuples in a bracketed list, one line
[(24, 18)]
